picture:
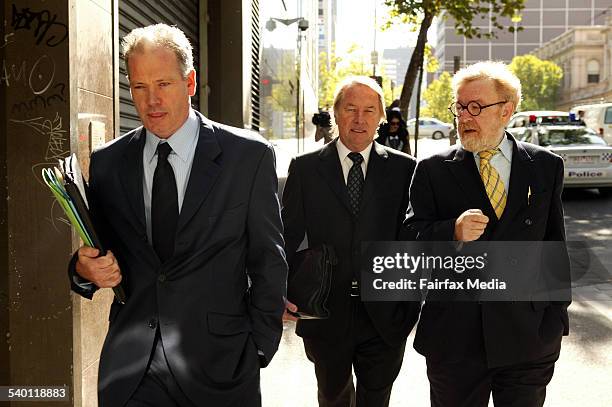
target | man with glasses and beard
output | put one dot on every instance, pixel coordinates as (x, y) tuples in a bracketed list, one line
[(490, 188)]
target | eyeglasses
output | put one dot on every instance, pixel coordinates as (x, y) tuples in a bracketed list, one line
[(474, 108), (394, 123)]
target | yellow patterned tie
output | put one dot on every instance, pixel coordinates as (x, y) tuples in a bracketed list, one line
[(492, 182)]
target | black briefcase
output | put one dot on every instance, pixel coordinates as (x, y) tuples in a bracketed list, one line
[(310, 276)]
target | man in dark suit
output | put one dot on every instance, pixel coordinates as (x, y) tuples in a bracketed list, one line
[(491, 188), (350, 191), (189, 211)]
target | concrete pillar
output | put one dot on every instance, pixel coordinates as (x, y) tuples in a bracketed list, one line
[(228, 68), (57, 92), (36, 308)]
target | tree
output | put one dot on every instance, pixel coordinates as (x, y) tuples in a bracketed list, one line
[(352, 63), (283, 91), (422, 12), (540, 81), (339, 68), (439, 96)]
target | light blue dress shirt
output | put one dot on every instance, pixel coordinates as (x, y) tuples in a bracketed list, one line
[(501, 161), (183, 144)]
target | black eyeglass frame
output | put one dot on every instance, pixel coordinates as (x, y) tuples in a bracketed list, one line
[(467, 107)]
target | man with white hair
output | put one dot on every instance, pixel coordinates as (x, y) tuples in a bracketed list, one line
[(351, 190), (490, 188)]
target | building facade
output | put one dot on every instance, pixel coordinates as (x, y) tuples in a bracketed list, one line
[(584, 54), (327, 21), (541, 21), (289, 72)]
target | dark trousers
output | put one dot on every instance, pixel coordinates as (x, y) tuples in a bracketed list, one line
[(158, 387), (469, 383), (376, 365)]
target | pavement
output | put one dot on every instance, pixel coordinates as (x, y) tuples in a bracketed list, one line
[(583, 374)]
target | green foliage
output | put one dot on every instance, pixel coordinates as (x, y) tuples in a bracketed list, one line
[(540, 81), (432, 64), (438, 96), (351, 63), (339, 68), (283, 93), (468, 15)]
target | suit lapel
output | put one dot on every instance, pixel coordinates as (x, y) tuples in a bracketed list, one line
[(204, 172), (521, 171), (132, 179), (463, 168), (331, 170), (377, 166)]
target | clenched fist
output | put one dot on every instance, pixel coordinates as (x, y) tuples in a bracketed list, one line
[(470, 225), (103, 271)]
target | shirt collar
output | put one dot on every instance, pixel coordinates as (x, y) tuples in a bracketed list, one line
[(343, 151), (181, 141), (504, 146)]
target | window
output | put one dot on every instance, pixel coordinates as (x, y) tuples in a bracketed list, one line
[(608, 118), (593, 71)]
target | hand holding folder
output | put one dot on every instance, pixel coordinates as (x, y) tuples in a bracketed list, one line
[(67, 185)]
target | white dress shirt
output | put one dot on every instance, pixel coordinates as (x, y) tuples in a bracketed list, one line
[(347, 163)]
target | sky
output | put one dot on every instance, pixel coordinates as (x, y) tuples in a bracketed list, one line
[(356, 25)]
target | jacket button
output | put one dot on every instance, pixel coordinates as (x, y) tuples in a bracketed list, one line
[(152, 323), (161, 278), (528, 222)]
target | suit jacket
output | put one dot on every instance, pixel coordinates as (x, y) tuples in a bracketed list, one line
[(212, 321), (315, 204), (444, 186)]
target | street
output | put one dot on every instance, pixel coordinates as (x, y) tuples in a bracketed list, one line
[(584, 371)]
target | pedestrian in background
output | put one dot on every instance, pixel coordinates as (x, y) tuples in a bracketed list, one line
[(324, 126), (394, 132)]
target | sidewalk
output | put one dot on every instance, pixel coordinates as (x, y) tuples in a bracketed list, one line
[(582, 376)]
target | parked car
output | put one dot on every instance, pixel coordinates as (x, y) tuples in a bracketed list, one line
[(587, 159), (430, 127), (523, 121), (598, 117)]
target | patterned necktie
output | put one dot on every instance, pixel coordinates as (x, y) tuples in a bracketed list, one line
[(164, 205), (354, 182), (492, 182)]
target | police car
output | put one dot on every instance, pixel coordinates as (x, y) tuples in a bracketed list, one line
[(587, 157)]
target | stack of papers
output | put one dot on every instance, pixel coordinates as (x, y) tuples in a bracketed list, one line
[(67, 184)]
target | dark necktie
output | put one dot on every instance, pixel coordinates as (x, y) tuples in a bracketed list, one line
[(393, 141), (164, 205), (354, 182)]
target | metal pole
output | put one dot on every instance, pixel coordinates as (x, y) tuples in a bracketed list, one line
[(374, 65), (297, 98), (418, 111)]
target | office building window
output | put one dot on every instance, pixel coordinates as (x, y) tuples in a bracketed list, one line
[(593, 71)]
